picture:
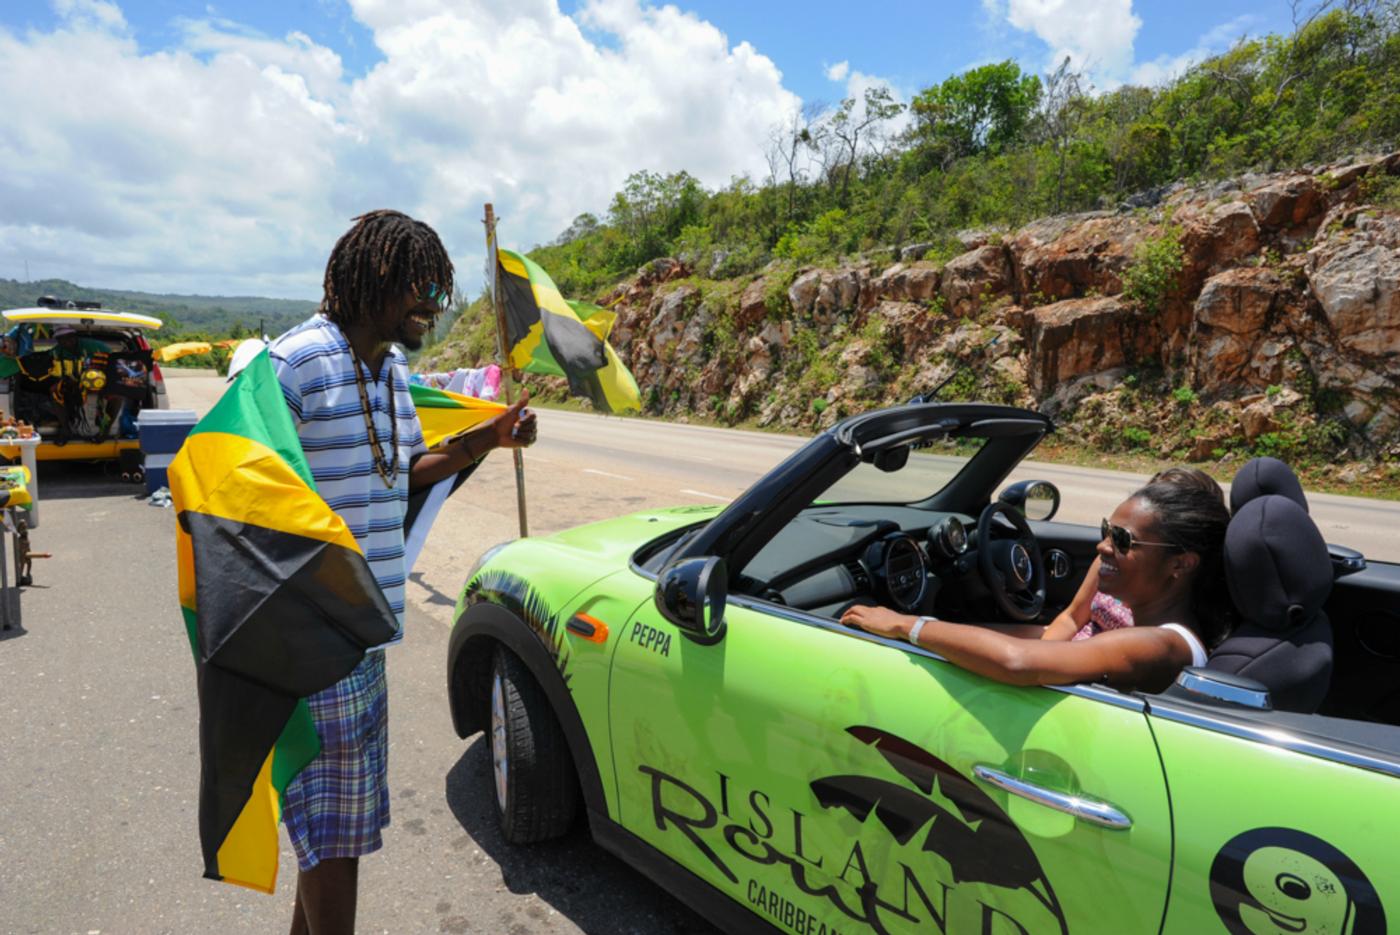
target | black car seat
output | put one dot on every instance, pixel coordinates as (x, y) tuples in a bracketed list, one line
[(1279, 575), (1261, 476)]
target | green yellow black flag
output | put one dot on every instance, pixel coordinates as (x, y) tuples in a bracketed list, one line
[(546, 334), (442, 416), (279, 604)]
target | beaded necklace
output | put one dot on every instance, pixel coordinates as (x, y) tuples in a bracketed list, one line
[(386, 468)]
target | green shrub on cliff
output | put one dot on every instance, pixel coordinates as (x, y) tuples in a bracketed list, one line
[(1153, 273)]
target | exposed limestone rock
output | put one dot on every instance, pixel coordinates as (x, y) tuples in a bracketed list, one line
[(1355, 275), (969, 280), (802, 294), (1087, 257), (1288, 202), (978, 237), (1079, 336), (1229, 336), (1262, 412), (914, 325), (668, 320), (1216, 238), (753, 306), (838, 294), (902, 283)]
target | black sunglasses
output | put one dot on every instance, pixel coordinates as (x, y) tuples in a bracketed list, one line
[(1123, 540)]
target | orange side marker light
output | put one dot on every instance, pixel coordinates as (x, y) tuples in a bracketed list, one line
[(590, 628)]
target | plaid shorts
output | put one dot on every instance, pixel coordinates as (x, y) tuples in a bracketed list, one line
[(337, 806)]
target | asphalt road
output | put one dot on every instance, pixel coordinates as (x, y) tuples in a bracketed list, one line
[(99, 770)]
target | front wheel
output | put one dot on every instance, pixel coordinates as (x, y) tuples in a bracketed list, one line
[(536, 788)]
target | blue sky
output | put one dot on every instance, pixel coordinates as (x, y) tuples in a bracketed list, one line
[(222, 147), (912, 44)]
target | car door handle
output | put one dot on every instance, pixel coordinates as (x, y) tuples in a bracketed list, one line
[(1091, 810)]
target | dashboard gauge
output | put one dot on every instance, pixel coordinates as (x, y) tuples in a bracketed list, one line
[(904, 572), (949, 537)]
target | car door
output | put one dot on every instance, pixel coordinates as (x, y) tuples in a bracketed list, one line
[(831, 781), (1285, 823)]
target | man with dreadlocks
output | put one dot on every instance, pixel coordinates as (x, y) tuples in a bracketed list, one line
[(346, 384)]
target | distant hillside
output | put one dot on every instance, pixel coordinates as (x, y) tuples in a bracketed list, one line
[(213, 315)]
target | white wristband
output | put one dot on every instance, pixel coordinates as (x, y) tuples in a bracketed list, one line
[(918, 628)]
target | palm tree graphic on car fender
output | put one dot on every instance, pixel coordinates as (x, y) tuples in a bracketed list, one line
[(979, 841)]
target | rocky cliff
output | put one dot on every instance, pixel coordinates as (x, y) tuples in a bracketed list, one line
[(1260, 314)]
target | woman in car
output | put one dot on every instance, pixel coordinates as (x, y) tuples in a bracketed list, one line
[(1160, 555), (1093, 611)]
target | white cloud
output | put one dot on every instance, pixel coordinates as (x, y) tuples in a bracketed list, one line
[(838, 72), (1217, 40), (1097, 35), (232, 163), (98, 13)]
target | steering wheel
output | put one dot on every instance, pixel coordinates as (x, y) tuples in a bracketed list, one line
[(1012, 569)]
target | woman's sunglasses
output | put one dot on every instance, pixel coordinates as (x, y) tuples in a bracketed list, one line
[(1123, 540)]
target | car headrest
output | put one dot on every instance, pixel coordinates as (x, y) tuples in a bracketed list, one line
[(1276, 563), (1262, 476)]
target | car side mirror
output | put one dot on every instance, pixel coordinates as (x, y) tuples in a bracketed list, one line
[(691, 593), (1036, 499)]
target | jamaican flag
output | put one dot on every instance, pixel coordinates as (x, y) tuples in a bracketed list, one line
[(279, 604), (546, 334), (442, 415)]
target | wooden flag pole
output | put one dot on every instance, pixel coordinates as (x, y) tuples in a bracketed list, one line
[(494, 264)]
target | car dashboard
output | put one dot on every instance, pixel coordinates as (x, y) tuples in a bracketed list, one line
[(830, 557)]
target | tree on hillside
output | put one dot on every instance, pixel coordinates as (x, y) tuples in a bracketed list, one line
[(581, 226), (652, 209), (1062, 111), (791, 146), (987, 108), (850, 127)]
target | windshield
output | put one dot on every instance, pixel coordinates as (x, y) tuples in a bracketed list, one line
[(929, 470)]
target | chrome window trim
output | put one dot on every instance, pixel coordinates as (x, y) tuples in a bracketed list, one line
[(1199, 683), (1275, 737)]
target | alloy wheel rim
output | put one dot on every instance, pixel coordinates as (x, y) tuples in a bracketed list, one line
[(500, 759)]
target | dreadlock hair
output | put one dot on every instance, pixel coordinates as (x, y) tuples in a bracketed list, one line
[(1192, 516), (385, 255)]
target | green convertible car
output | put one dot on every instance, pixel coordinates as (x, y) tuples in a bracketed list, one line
[(681, 674)]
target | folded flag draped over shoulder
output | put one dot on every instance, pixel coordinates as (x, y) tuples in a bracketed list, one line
[(546, 334), (279, 603), (442, 415)]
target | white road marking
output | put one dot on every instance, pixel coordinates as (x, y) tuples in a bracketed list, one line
[(605, 473), (701, 493)]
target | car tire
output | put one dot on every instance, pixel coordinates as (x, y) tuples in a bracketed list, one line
[(534, 784)]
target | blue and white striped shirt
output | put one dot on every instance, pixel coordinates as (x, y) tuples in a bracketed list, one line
[(313, 363)]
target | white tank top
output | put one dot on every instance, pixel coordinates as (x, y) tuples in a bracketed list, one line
[(1198, 652)]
